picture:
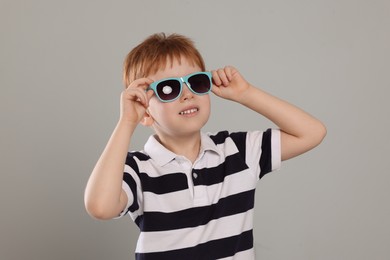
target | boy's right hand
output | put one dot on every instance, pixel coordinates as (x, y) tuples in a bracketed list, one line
[(135, 100)]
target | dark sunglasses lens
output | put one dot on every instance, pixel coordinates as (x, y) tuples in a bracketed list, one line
[(168, 89), (200, 83)]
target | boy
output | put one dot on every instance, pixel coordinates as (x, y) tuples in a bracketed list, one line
[(190, 193)]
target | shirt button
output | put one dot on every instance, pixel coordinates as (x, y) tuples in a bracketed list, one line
[(195, 175)]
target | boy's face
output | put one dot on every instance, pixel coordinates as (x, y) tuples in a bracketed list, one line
[(185, 115)]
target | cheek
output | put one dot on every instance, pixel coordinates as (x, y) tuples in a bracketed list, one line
[(154, 100), (159, 110), (154, 107), (206, 102), (155, 104)]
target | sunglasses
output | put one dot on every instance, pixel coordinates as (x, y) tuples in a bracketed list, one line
[(170, 89)]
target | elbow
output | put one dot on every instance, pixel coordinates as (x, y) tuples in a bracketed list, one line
[(319, 133), (96, 210), (293, 146), (322, 131)]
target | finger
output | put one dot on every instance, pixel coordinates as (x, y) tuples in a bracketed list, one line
[(216, 80), (216, 90), (141, 83), (137, 95), (149, 93), (229, 72), (223, 77)]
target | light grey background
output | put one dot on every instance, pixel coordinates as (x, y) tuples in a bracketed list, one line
[(60, 78)]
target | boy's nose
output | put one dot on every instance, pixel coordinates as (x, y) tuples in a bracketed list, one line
[(186, 92)]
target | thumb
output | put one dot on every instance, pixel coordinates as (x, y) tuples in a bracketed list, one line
[(216, 90), (149, 95)]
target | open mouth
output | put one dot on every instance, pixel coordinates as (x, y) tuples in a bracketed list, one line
[(189, 111)]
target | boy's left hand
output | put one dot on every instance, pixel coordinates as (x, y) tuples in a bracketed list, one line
[(229, 84)]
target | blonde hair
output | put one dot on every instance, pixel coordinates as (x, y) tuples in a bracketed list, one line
[(154, 53)]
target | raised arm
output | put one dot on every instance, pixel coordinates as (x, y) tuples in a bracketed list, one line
[(104, 197), (300, 131)]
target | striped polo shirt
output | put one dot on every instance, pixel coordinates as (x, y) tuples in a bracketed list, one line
[(202, 210)]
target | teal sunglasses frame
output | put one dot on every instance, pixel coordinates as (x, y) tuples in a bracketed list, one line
[(181, 80)]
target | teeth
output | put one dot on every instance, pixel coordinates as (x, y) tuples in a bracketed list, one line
[(189, 111)]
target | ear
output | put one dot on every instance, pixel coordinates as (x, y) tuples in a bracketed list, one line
[(147, 120)]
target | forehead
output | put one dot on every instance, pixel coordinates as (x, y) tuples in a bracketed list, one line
[(176, 67)]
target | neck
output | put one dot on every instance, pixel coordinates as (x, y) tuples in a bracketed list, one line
[(187, 146)]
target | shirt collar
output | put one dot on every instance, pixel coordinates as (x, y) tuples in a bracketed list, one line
[(161, 155)]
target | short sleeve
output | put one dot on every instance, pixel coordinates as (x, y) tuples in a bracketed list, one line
[(263, 151), (130, 198), (132, 187)]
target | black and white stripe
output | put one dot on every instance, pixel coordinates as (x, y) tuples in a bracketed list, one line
[(204, 210)]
